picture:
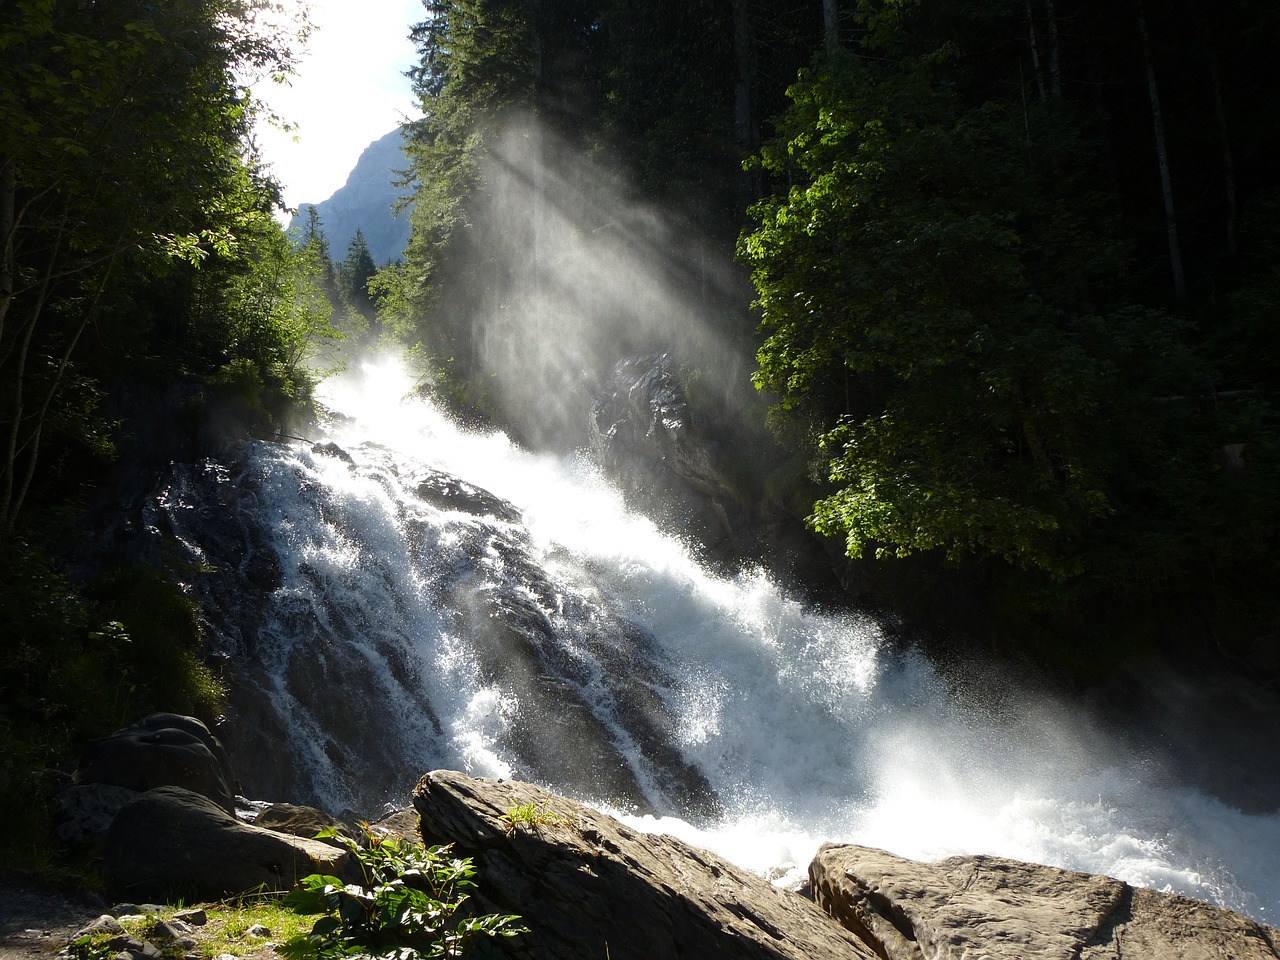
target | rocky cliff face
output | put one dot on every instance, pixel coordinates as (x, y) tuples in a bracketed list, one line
[(365, 202), (688, 471)]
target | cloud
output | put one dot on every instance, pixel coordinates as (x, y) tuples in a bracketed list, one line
[(349, 90)]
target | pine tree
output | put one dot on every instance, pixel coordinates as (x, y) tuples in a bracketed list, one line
[(354, 274)]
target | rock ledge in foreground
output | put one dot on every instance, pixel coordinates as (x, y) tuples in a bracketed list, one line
[(1000, 909), (588, 886), (172, 844)]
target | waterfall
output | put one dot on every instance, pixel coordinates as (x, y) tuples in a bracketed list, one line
[(412, 595)]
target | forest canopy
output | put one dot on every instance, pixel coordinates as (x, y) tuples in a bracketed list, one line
[(1010, 259), (978, 285), (136, 218)]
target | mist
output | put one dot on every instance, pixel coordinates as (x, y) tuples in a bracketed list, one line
[(570, 274)]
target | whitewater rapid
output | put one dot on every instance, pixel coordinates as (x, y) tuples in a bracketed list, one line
[(808, 726)]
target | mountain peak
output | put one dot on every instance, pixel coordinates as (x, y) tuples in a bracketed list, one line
[(365, 202)]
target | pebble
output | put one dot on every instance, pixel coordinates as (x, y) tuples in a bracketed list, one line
[(104, 924)]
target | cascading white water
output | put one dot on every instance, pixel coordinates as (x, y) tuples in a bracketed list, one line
[(806, 726)]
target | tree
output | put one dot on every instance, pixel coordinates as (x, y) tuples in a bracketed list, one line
[(313, 239), (122, 130), (1162, 158), (354, 274), (939, 294)]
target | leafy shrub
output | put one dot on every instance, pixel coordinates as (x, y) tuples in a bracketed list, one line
[(81, 662), (408, 906), (162, 641)]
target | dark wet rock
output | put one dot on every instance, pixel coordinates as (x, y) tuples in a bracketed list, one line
[(450, 493), (648, 439), (173, 844), (84, 812), (705, 479), (331, 449), (164, 749), (546, 645)]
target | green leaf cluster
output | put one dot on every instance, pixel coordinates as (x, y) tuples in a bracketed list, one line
[(409, 905), (947, 299), (131, 202)]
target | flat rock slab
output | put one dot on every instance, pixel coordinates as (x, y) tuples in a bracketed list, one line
[(997, 909), (588, 886)]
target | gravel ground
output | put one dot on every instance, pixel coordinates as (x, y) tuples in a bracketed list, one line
[(37, 919)]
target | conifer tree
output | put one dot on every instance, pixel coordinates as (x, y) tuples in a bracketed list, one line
[(354, 274)]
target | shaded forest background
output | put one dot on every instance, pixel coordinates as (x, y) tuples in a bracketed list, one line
[(1013, 289), (991, 287)]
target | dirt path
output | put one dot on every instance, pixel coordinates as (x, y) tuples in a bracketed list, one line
[(36, 919)]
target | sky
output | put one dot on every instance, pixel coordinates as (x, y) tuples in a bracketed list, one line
[(349, 90)]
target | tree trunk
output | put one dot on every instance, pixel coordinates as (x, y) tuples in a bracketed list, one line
[(1035, 446), (1162, 157), (742, 84), (8, 224), (1228, 162), (13, 445), (1055, 70), (831, 25), (1034, 44), (744, 126), (31, 446)]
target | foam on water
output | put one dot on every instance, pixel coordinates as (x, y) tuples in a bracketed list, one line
[(807, 726)]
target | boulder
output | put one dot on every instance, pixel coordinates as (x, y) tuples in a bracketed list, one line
[(164, 749), (171, 843), (299, 821), (446, 492), (588, 886), (648, 439), (84, 812), (998, 909), (331, 449)]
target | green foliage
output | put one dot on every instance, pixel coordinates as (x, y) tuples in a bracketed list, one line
[(282, 313), (160, 623), (81, 663), (527, 815), (409, 905), (477, 63), (126, 192), (960, 274), (942, 292)]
